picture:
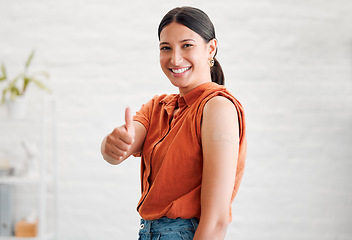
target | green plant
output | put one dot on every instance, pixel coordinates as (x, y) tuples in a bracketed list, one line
[(18, 86)]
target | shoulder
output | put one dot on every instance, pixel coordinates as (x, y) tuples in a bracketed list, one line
[(219, 99), (217, 95), (220, 121), (218, 104), (219, 114), (217, 110), (158, 99), (163, 98)]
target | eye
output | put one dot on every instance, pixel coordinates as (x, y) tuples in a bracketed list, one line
[(165, 48), (187, 45)]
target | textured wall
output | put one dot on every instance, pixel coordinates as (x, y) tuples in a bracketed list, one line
[(288, 62)]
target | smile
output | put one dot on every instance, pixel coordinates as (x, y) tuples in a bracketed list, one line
[(180, 70)]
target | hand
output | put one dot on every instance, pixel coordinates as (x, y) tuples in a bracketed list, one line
[(116, 145)]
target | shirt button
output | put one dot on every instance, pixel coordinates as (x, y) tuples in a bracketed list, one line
[(142, 226)]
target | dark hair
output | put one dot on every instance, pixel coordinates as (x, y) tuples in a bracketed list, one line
[(199, 22)]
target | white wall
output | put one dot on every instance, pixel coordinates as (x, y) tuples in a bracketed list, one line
[(288, 62)]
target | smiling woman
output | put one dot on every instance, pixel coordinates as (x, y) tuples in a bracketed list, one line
[(192, 144), (184, 55), (197, 21)]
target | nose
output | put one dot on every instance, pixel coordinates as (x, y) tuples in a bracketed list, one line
[(176, 58)]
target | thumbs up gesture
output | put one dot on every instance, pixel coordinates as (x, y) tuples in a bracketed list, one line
[(129, 121), (115, 146)]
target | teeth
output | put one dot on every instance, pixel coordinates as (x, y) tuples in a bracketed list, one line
[(180, 70)]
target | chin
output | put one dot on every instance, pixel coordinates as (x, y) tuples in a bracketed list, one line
[(180, 83)]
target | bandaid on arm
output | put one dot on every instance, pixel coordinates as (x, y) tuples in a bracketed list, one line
[(224, 137)]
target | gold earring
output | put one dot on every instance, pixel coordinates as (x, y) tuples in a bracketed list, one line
[(211, 62)]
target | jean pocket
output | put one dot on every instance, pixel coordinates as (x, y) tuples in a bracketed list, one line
[(156, 237), (187, 235)]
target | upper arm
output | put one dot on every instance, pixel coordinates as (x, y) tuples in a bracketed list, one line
[(220, 143)]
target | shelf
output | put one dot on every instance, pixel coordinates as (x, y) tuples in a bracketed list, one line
[(39, 128)]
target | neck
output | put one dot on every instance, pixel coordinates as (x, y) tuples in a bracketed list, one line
[(184, 91), (206, 76)]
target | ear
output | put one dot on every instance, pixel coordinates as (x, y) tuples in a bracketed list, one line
[(212, 46)]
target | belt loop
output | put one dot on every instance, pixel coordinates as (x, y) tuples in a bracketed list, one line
[(144, 226), (194, 222)]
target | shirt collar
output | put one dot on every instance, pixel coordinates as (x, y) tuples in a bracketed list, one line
[(188, 99), (170, 102)]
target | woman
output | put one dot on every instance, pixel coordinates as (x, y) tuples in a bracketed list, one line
[(192, 144)]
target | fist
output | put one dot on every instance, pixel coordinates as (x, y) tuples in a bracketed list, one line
[(116, 145)]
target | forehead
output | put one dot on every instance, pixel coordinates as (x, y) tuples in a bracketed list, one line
[(178, 32)]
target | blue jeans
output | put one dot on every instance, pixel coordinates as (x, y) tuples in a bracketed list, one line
[(168, 229)]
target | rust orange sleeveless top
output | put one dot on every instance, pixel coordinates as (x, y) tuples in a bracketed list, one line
[(172, 159)]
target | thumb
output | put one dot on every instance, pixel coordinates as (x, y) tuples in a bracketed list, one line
[(129, 120)]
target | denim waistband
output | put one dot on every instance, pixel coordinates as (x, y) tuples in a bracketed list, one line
[(166, 225)]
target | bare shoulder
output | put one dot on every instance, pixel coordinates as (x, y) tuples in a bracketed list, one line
[(219, 124), (219, 105)]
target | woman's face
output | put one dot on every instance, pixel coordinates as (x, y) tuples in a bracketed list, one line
[(184, 56)]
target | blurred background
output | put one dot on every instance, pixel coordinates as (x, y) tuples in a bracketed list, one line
[(288, 62)]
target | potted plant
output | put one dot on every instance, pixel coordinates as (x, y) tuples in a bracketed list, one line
[(14, 92)]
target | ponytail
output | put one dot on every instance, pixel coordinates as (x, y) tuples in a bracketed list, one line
[(217, 75)]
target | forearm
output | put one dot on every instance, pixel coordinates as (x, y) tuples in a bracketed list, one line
[(211, 230)]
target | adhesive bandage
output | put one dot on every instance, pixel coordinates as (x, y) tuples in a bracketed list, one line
[(224, 137)]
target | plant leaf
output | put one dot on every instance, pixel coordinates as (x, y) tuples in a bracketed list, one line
[(3, 71), (40, 84), (14, 93), (26, 80), (30, 58), (3, 96), (10, 87)]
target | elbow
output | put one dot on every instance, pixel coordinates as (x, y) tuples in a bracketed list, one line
[(219, 222), (221, 226), (214, 229)]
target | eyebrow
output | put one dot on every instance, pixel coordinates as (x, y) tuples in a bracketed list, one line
[(184, 40)]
